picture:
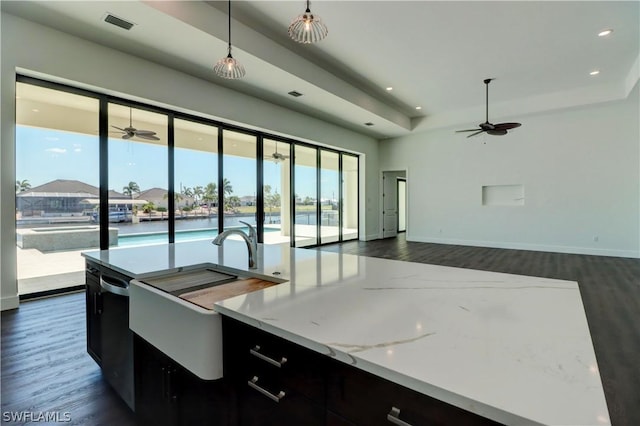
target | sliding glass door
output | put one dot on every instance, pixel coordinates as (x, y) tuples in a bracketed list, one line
[(238, 188), (276, 191), (138, 176), (159, 176), (329, 193), (306, 196), (349, 202), (195, 180), (57, 184)]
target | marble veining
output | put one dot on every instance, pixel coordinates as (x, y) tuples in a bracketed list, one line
[(513, 348), (353, 348)]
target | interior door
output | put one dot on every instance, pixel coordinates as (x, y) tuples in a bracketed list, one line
[(390, 205)]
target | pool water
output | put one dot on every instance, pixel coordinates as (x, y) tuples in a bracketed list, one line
[(163, 237)]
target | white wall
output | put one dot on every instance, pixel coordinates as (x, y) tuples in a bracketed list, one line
[(581, 174), (39, 50)]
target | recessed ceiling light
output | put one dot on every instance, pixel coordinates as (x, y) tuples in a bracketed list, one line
[(594, 72), (35, 110), (604, 33), (389, 89), (418, 107)]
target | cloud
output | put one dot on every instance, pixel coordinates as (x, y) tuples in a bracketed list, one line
[(56, 150)]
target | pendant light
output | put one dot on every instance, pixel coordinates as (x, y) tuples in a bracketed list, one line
[(307, 28), (228, 67)]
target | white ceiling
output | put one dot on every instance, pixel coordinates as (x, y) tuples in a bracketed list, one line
[(433, 54)]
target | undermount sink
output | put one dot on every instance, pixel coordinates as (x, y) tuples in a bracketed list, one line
[(174, 312)]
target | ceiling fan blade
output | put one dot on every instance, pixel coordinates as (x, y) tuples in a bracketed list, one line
[(497, 132), (506, 126), (476, 133), (144, 132), (116, 127), (148, 137), (127, 136), (468, 130)]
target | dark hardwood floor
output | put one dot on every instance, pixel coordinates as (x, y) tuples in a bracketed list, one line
[(45, 367), (609, 286)]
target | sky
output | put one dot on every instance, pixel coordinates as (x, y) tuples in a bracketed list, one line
[(43, 155)]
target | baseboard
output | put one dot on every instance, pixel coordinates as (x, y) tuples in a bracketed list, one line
[(7, 303), (525, 246)]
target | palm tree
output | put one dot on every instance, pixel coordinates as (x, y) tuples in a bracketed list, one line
[(22, 185), (226, 187), (130, 189), (177, 197), (271, 200), (210, 195), (187, 194), (198, 192)]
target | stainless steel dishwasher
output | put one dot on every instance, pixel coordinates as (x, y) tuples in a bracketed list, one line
[(117, 338)]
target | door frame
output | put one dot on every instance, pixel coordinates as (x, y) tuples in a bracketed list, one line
[(404, 170), (406, 216)]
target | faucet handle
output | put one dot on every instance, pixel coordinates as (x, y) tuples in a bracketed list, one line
[(253, 235)]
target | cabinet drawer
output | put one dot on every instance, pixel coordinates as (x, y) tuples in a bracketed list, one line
[(267, 402), (252, 351), (365, 399)]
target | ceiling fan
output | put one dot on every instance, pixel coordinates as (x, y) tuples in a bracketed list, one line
[(130, 132), (499, 129), (276, 157)]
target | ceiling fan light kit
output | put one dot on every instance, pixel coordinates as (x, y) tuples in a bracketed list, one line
[(307, 28), (228, 67), (499, 129)]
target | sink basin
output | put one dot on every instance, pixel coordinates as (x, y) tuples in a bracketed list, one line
[(183, 282), (174, 312)]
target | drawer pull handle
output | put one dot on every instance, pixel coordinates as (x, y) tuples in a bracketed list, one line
[(276, 398), (271, 361), (394, 417)]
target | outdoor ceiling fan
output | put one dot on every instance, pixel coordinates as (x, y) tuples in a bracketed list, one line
[(499, 129), (130, 132), (276, 157)]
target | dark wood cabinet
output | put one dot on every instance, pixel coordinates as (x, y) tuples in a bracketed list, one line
[(275, 381), (365, 399), (167, 394), (94, 312)]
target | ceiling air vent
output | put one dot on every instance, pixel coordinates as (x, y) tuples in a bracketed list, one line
[(118, 22), (368, 123), (295, 94)]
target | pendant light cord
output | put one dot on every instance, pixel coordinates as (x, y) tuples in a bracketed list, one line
[(308, 9), (229, 28)]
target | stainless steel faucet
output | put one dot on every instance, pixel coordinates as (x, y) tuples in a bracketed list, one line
[(251, 240)]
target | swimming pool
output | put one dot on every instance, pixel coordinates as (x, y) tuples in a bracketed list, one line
[(185, 235)]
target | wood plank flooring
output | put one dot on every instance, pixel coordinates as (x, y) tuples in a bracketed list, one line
[(609, 286), (45, 366)]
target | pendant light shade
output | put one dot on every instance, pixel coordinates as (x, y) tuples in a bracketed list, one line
[(307, 28), (228, 67)]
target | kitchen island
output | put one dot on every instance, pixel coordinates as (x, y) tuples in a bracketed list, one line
[(509, 348)]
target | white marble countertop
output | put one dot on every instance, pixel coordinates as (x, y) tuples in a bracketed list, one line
[(512, 348)]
